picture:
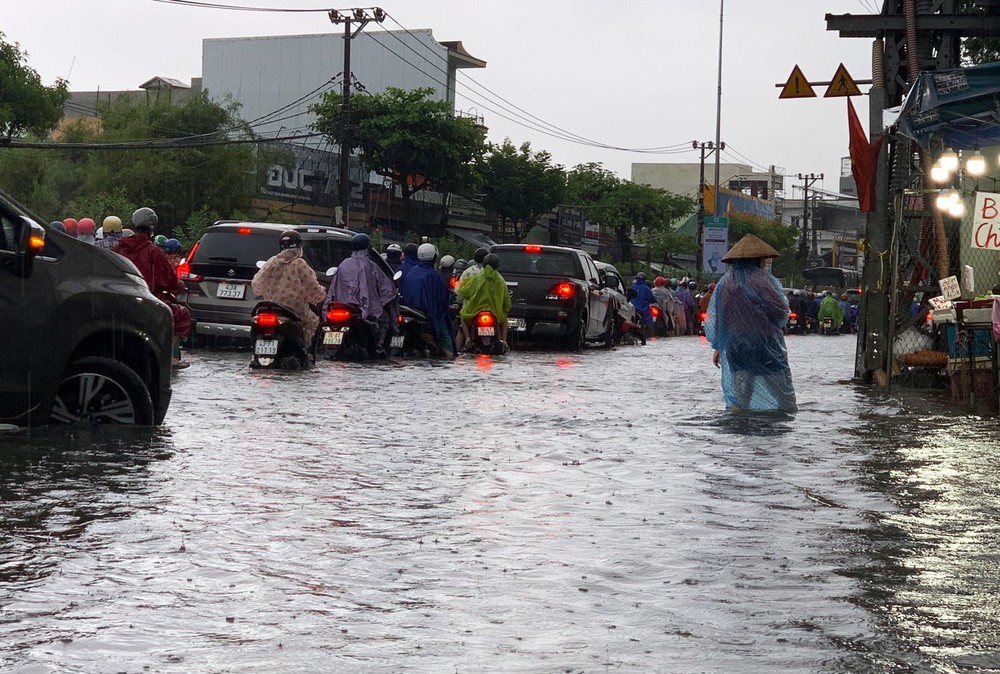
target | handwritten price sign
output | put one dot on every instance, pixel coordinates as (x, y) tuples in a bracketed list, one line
[(950, 289)]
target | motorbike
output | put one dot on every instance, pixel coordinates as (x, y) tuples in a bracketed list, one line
[(702, 317), (485, 337), (826, 327), (416, 338), (794, 325), (277, 338), (345, 335), (661, 323)]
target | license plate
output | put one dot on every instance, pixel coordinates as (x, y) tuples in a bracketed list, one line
[(266, 347), (516, 324), (487, 331), (793, 322), (396, 342), (231, 291), (334, 337)]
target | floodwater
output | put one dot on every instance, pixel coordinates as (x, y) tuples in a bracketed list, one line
[(542, 512)]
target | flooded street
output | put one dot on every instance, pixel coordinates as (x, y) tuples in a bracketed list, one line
[(543, 512)]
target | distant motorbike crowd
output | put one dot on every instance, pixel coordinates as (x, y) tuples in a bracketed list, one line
[(823, 313)]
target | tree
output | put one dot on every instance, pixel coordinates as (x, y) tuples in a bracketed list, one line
[(405, 135), (26, 105), (976, 50), (520, 186), (782, 237)]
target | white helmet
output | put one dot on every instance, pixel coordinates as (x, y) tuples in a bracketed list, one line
[(426, 252), (447, 261)]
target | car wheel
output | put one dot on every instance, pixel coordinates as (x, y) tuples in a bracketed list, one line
[(610, 334), (577, 336), (102, 391)]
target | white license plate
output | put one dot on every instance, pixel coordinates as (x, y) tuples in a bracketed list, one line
[(334, 337), (487, 332), (793, 322), (231, 291), (266, 347), (396, 342), (516, 324)]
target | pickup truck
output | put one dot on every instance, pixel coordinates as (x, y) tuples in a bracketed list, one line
[(556, 294)]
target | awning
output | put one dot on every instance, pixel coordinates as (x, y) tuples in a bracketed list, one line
[(474, 235), (959, 106)]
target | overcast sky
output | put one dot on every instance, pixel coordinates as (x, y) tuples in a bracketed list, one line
[(631, 74)]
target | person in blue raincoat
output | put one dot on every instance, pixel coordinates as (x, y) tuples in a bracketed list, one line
[(422, 288), (643, 299), (745, 325)]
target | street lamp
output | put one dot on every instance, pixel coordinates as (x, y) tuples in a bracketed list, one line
[(946, 169)]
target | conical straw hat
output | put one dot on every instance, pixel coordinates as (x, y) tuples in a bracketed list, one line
[(750, 247)]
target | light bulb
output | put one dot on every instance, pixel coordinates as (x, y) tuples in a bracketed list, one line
[(975, 165), (945, 199), (940, 174), (957, 209), (949, 160)]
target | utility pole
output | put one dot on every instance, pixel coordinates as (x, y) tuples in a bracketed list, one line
[(362, 17), (808, 180), (702, 147)]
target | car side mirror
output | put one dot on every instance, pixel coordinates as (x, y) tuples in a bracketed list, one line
[(398, 275), (29, 240), (331, 271), (260, 264)]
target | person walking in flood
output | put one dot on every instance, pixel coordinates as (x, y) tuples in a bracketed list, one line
[(745, 325)]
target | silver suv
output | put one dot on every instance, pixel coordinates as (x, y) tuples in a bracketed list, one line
[(218, 271)]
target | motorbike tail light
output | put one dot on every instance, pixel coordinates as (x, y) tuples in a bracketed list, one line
[(338, 315), (793, 316), (453, 282), (532, 249), (703, 316), (266, 320), (561, 291), (485, 319), (400, 319), (655, 310), (184, 268)]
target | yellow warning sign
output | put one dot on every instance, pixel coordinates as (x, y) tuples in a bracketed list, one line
[(797, 86), (842, 84)]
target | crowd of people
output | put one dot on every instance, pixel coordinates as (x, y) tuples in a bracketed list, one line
[(155, 256)]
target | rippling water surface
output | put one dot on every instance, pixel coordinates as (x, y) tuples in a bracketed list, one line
[(542, 512)]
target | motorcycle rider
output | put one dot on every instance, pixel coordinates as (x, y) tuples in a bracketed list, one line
[(445, 268), (112, 227), (360, 283), (288, 280), (85, 230), (160, 276), (394, 256), (829, 308), (686, 299), (486, 291), (421, 288), (409, 258), (664, 297), (643, 299), (476, 266)]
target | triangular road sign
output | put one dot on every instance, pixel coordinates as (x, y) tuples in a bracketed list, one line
[(842, 84), (797, 86)]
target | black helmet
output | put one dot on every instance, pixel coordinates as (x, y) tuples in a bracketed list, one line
[(410, 251), (361, 242), (144, 218), (480, 255), (290, 239), (692, 285), (491, 260)]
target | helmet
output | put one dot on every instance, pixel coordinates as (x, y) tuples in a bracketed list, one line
[(480, 255), (144, 218), (410, 250), (460, 265), (393, 252), (172, 246), (448, 261), (86, 226), (361, 242), (659, 281), (127, 232), (70, 225), (673, 281), (58, 226), (112, 223), (692, 285), (426, 252), (711, 287), (641, 276), (492, 260), (160, 240), (289, 239)]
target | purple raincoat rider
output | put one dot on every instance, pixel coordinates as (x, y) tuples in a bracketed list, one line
[(361, 283)]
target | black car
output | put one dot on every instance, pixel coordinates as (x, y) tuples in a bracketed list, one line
[(556, 292), (218, 271), (84, 340)]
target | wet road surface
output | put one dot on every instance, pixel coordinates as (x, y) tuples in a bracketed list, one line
[(542, 512)]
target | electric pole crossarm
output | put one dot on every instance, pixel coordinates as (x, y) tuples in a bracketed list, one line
[(969, 25)]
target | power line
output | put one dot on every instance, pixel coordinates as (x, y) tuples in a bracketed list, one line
[(240, 8)]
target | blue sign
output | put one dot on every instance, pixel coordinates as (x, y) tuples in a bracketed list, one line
[(715, 243)]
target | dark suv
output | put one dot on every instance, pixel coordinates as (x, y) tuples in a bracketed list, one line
[(83, 338), (218, 270), (556, 292)]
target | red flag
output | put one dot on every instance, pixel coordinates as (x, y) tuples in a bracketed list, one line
[(864, 159)]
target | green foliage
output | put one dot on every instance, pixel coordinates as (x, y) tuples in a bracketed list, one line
[(976, 50), (520, 185), (407, 136), (460, 249), (102, 204), (26, 105), (779, 235), (195, 225)]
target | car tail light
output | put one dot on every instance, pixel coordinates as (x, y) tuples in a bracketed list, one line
[(338, 315), (184, 268), (453, 282), (485, 319), (793, 316), (561, 291), (532, 249), (655, 310), (703, 316), (266, 320), (244, 230)]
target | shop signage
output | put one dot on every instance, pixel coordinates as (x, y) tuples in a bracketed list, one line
[(986, 221)]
